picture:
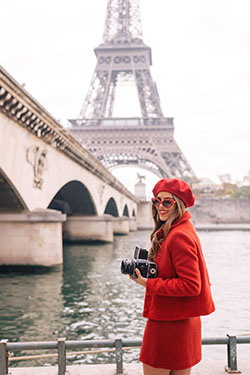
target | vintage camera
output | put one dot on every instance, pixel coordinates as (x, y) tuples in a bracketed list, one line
[(148, 269)]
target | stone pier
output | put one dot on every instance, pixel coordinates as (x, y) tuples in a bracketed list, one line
[(121, 225), (31, 238), (132, 224), (88, 228), (96, 228), (144, 215), (36, 238)]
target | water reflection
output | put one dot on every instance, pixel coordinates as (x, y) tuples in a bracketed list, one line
[(29, 304), (101, 302)]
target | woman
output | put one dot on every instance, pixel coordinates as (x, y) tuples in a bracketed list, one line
[(175, 300)]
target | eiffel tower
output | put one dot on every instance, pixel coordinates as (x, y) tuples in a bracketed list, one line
[(147, 141)]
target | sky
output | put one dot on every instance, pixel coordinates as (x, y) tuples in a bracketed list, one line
[(201, 65)]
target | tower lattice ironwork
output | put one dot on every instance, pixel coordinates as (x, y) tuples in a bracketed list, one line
[(145, 141)]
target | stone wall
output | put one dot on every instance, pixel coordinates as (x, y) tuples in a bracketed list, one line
[(205, 210), (214, 210)]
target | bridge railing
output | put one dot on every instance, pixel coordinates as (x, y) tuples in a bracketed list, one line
[(117, 346)]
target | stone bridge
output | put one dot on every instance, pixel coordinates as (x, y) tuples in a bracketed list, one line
[(50, 186)]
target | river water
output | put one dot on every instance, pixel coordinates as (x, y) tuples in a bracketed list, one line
[(88, 298)]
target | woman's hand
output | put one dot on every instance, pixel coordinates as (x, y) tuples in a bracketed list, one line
[(140, 280)]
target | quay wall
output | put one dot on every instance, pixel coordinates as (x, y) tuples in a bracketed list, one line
[(214, 210), (206, 210)]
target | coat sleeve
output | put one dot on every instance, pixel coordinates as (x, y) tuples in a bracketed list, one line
[(184, 254)]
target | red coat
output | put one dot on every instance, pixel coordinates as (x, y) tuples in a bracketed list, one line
[(182, 288)]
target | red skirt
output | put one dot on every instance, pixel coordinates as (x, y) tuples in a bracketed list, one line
[(172, 345)]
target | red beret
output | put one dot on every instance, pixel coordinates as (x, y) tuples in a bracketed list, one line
[(177, 187)]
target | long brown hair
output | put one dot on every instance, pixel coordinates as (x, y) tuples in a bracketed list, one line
[(164, 225)]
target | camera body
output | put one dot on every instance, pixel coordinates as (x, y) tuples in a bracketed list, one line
[(147, 269)]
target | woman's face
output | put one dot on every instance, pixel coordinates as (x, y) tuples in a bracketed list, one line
[(165, 213)]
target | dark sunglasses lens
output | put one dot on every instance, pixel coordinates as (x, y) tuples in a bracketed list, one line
[(155, 202), (167, 203)]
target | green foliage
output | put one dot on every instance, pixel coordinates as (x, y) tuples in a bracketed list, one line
[(242, 192), (233, 191), (230, 192)]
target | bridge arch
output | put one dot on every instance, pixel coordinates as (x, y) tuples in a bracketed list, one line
[(10, 199), (125, 211), (111, 208), (73, 199)]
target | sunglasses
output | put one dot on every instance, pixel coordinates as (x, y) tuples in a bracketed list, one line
[(167, 203)]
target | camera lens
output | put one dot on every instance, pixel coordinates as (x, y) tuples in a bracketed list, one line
[(128, 266)]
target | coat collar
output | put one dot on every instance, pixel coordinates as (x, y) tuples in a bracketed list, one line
[(185, 217)]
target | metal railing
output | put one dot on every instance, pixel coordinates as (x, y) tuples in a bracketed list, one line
[(117, 346)]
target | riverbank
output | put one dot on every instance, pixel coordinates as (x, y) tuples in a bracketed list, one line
[(206, 367), (211, 227), (222, 227)]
